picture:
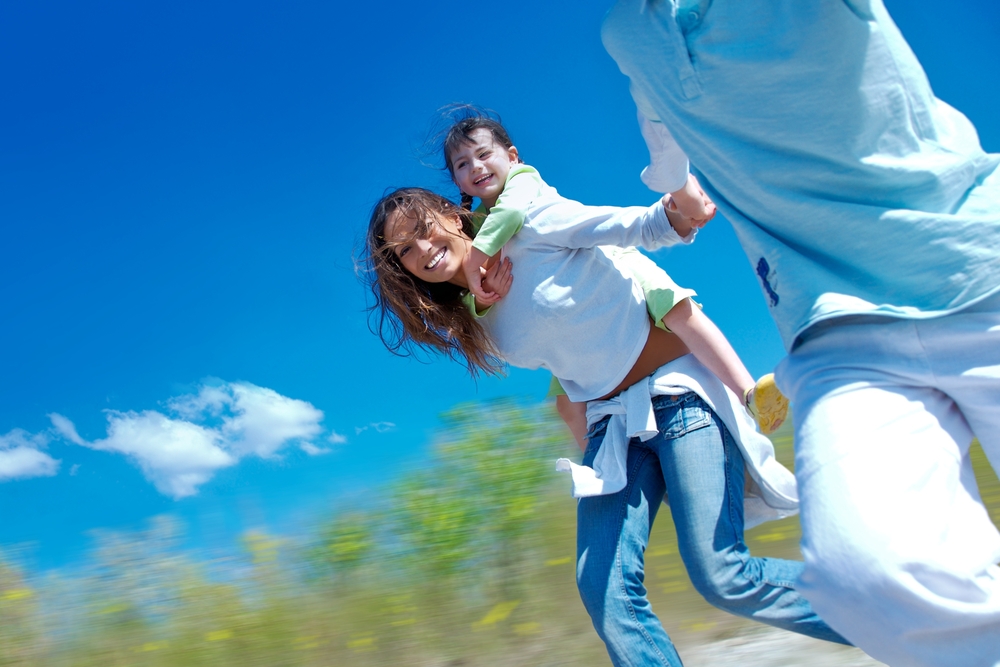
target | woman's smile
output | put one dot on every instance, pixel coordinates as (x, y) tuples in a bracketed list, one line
[(436, 258), (434, 254)]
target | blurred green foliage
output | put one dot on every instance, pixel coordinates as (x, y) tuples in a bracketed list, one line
[(467, 562)]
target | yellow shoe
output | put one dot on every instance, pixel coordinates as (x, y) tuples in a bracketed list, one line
[(767, 404)]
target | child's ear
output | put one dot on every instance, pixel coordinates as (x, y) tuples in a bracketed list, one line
[(512, 154)]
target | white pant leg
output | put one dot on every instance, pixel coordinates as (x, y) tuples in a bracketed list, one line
[(900, 552), (965, 354)]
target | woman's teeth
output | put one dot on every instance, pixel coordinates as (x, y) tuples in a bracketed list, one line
[(434, 260)]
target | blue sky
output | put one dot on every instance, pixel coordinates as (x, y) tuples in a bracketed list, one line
[(182, 187)]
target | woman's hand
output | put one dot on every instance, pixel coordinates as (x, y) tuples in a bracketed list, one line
[(689, 208)]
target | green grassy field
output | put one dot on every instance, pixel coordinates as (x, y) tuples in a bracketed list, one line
[(469, 563)]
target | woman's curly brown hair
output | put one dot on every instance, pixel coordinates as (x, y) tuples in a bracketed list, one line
[(408, 312)]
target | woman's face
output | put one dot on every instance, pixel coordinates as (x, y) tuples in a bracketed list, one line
[(435, 257)]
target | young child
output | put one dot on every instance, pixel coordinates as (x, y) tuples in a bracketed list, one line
[(484, 164)]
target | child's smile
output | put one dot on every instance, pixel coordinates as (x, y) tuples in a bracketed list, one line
[(480, 167)]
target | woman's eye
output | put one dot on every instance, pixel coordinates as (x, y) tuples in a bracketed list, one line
[(403, 251)]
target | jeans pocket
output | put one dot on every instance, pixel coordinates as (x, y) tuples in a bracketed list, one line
[(688, 414), (595, 436)]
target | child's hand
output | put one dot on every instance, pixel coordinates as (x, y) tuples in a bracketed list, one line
[(473, 269), (498, 278), (692, 206), (496, 281)]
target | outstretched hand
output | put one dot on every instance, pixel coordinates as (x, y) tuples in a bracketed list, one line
[(689, 208)]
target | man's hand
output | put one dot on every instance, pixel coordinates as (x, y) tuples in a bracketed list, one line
[(690, 206)]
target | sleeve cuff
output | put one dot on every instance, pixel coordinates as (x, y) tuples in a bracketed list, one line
[(469, 299), (670, 235)]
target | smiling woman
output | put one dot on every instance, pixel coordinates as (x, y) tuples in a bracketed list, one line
[(574, 311), (432, 249), (411, 311)]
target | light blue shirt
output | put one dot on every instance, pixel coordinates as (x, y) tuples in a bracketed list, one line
[(851, 187)]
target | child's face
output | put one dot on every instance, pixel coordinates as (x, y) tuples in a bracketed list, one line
[(481, 166), (435, 256)]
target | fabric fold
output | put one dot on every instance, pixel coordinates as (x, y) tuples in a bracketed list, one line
[(771, 492)]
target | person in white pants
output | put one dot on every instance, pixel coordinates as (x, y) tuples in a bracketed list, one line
[(871, 217)]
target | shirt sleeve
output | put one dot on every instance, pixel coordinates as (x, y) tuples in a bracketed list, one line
[(507, 217), (668, 164), (469, 299), (574, 225)]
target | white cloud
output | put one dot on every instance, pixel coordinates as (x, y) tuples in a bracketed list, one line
[(65, 428), (380, 427), (337, 439), (175, 455), (209, 430), (263, 420), (21, 456), (313, 450)]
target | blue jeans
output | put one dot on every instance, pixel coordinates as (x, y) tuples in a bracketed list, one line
[(695, 461)]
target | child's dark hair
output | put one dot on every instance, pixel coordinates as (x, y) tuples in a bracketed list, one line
[(466, 119), (410, 312)]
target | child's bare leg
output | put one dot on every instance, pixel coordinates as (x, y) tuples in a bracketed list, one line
[(709, 346), (762, 398), (575, 416)]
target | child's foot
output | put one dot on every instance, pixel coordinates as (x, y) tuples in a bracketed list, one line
[(767, 404)]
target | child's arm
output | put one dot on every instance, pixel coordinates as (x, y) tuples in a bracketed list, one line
[(472, 265), (575, 416), (503, 221)]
